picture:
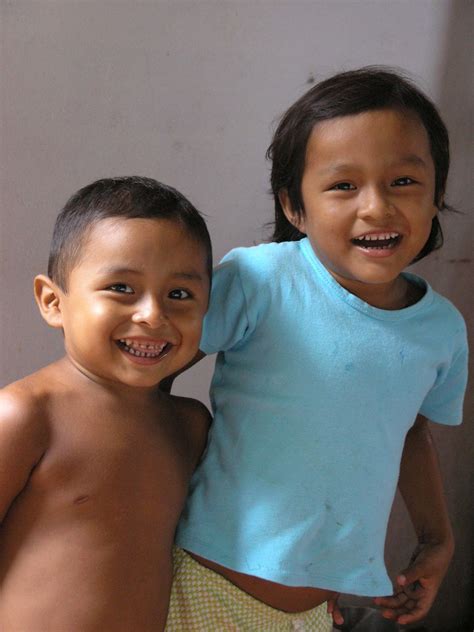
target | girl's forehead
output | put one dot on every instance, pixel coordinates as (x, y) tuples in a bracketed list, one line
[(376, 132), (370, 123)]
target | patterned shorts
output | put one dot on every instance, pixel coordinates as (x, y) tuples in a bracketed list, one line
[(204, 601)]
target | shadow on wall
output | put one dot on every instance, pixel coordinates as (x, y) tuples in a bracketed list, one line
[(451, 272), (454, 609)]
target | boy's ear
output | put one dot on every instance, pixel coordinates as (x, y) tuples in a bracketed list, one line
[(48, 299), (297, 219)]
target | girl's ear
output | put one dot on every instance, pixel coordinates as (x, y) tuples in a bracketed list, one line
[(297, 219), (48, 298)]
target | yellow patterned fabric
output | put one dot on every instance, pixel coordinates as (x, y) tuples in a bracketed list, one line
[(204, 601)]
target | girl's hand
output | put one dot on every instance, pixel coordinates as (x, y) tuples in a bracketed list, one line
[(334, 610), (417, 586)]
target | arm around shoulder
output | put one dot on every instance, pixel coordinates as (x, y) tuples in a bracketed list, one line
[(166, 383), (197, 420), (23, 441)]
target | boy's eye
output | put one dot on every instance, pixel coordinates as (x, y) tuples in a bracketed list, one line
[(403, 182), (179, 294), (343, 186), (121, 288)]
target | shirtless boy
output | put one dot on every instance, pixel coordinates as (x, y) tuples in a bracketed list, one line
[(94, 459)]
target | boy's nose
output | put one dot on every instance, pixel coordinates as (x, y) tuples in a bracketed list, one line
[(149, 311), (376, 205)]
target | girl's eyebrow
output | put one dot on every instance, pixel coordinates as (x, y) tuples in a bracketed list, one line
[(410, 159), (336, 168)]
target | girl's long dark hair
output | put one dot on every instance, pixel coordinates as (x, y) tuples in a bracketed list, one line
[(345, 94)]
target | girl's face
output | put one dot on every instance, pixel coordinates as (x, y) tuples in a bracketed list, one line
[(368, 194)]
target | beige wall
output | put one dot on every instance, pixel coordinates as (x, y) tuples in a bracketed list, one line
[(187, 92)]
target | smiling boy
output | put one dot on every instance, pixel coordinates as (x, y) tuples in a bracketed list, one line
[(94, 459)]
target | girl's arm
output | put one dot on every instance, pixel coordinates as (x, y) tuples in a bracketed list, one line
[(422, 490), (167, 383)]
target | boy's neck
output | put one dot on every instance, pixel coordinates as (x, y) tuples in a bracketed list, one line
[(81, 378)]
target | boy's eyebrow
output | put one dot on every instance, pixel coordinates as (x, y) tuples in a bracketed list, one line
[(187, 275)]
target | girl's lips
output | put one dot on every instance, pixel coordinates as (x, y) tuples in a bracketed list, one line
[(377, 253), (378, 244)]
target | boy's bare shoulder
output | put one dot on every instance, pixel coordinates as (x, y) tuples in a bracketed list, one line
[(23, 406), (196, 418), (24, 437)]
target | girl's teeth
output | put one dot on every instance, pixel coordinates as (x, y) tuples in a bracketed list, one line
[(375, 237)]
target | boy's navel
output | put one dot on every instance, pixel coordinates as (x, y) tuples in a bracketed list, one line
[(81, 499)]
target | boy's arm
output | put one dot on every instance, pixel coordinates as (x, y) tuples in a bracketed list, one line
[(22, 444), (422, 490)]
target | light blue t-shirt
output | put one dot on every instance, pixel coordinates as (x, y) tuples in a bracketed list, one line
[(313, 394)]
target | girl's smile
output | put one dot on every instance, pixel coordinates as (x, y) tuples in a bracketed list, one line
[(368, 195), (377, 244)]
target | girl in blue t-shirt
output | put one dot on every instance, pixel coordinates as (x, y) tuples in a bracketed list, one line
[(331, 360)]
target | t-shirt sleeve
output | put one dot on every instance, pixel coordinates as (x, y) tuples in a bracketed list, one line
[(444, 402), (226, 322)]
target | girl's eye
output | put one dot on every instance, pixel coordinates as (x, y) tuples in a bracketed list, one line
[(121, 288), (179, 294), (343, 186), (403, 182)]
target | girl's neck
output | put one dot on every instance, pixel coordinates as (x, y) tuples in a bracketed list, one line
[(398, 294)]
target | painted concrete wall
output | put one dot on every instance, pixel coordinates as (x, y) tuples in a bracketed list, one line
[(188, 92)]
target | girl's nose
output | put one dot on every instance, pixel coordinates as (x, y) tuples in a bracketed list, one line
[(149, 311), (376, 205)]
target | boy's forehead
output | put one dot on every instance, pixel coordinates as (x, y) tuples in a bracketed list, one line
[(117, 242), (115, 230)]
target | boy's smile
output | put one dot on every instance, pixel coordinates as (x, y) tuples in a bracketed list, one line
[(144, 350), (134, 304), (368, 194)]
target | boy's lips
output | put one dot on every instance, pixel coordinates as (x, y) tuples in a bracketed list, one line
[(144, 350)]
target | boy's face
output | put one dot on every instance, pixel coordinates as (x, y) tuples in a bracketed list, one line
[(368, 193), (133, 310)]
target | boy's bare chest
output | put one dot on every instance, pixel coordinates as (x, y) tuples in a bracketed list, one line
[(99, 511), (102, 461)]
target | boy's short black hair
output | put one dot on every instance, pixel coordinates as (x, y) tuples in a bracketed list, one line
[(131, 197), (349, 93)]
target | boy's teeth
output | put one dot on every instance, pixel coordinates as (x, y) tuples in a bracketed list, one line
[(143, 349)]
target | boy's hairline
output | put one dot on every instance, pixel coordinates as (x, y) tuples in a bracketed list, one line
[(73, 261)]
